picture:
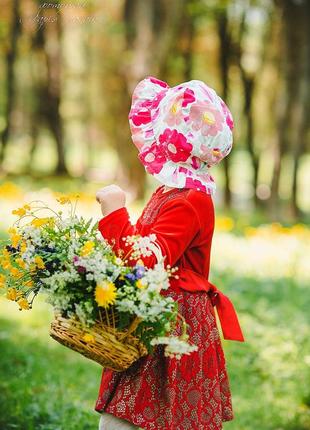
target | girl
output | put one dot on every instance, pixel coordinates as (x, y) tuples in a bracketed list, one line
[(180, 133)]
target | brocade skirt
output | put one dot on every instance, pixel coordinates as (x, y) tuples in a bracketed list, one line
[(163, 393)]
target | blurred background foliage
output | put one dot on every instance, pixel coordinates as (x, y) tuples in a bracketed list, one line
[(67, 71)]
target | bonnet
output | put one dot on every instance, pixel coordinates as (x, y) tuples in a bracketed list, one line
[(180, 132)]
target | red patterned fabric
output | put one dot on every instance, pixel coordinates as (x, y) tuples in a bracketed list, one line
[(158, 392)]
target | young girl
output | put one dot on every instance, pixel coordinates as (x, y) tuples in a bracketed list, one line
[(180, 133)]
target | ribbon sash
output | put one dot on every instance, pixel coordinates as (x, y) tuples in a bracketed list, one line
[(227, 315)]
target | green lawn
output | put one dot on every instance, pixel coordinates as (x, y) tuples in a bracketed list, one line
[(270, 372), (45, 386)]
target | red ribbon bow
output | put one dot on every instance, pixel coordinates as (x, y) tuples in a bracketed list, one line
[(227, 315), (225, 309)]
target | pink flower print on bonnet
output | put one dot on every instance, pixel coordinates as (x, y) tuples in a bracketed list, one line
[(180, 132)]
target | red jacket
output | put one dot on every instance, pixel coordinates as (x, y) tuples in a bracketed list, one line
[(183, 222)]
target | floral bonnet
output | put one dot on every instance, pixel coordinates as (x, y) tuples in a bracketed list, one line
[(180, 132)]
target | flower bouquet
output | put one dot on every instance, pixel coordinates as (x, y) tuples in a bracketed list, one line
[(107, 307)]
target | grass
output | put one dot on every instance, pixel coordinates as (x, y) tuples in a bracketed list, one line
[(45, 386), (270, 372)]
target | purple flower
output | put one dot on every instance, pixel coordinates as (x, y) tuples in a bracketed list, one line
[(139, 272), (81, 269), (130, 276)]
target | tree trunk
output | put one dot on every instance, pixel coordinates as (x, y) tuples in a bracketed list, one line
[(294, 108), (186, 42), (10, 81), (225, 51), (169, 16), (248, 86), (38, 79), (139, 20), (151, 26), (52, 47), (301, 117)]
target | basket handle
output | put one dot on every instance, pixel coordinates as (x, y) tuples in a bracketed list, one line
[(134, 324)]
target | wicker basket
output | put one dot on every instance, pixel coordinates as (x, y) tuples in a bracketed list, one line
[(112, 348)]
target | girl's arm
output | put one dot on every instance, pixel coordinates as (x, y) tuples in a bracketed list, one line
[(115, 226), (176, 226)]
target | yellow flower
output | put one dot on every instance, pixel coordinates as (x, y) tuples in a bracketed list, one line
[(105, 294), (23, 303), (2, 280), (21, 263), (15, 239), (139, 284), (10, 191), (5, 253), (38, 222), (15, 272), (39, 262), (6, 264), (224, 223), (28, 283), (21, 211), (12, 294), (299, 228), (87, 248), (63, 200), (74, 195), (250, 231), (23, 247), (89, 338)]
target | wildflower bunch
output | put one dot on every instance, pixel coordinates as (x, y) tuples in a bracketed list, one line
[(65, 258)]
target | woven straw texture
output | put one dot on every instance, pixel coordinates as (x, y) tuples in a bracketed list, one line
[(112, 348)]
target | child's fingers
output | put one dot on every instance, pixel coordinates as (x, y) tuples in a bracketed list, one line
[(102, 193), (98, 197)]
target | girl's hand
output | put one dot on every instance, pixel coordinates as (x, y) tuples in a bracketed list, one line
[(110, 198)]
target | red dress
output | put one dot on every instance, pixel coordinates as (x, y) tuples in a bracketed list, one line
[(157, 392)]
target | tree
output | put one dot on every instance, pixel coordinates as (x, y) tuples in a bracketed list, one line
[(52, 97), (293, 108), (250, 72), (10, 79), (151, 29), (224, 61)]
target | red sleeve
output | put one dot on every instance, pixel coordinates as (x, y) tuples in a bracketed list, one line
[(115, 226), (175, 227)]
